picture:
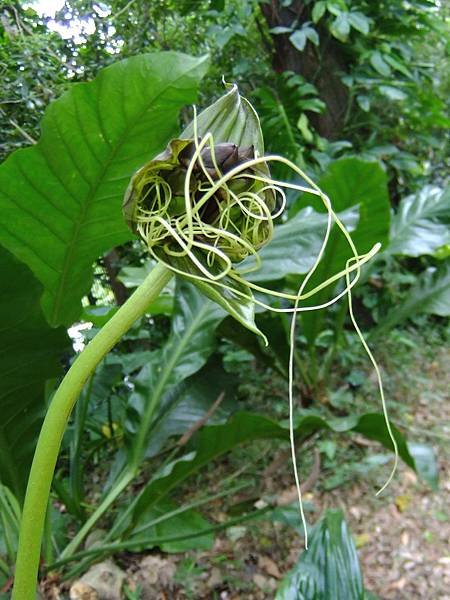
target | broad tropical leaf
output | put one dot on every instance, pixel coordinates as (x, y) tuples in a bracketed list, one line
[(191, 342), (191, 400), (187, 522), (350, 182), (430, 294), (61, 200), (295, 245), (418, 227), (329, 568), (31, 353)]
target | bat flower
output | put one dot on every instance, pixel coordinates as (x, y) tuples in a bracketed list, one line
[(204, 200)]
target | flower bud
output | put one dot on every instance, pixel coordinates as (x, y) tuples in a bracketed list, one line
[(224, 209)]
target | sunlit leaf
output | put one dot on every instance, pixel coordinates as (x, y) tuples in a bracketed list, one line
[(279, 30), (378, 63), (298, 39), (61, 200), (359, 21), (419, 225), (392, 93), (318, 10), (363, 102), (340, 27)]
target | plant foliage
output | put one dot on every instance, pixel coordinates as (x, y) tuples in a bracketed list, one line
[(66, 191)]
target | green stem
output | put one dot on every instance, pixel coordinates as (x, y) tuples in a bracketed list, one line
[(55, 423), (83, 565), (4, 567), (126, 478), (148, 543), (76, 476)]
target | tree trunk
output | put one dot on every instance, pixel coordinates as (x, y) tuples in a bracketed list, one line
[(318, 65), (110, 262)]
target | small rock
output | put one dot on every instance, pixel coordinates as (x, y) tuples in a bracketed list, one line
[(154, 573), (95, 538), (236, 533), (82, 591), (265, 584), (103, 581)]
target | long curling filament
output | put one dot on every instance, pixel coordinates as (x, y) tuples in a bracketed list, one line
[(242, 225)]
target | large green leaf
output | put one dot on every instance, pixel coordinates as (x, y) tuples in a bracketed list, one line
[(349, 182), (191, 342), (417, 227), (30, 353), (329, 568), (61, 200), (214, 440), (430, 294), (188, 522), (294, 245), (191, 400)]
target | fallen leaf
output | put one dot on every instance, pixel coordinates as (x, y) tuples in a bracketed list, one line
[(269, 566), (215, 578), (362, 539), (260, 581), (402, 502)]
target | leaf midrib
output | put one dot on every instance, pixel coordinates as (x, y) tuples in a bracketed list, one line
[(70, 248)]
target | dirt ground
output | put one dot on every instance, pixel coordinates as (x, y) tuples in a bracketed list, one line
[(405, 542)]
